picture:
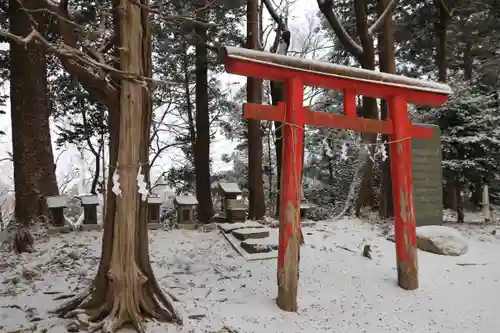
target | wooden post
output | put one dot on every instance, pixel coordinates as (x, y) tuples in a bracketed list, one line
[(291, 170), (486, 203), (402, 192)]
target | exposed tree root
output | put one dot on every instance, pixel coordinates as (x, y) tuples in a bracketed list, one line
[(125, 308), (23, 241)]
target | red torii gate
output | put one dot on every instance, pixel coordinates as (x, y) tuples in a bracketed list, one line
[(397, 90)]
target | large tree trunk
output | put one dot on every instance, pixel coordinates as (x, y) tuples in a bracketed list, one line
[(370, 108), (257, 207), (202, 146), (34, 168), (450, 198), (387, 61), (441, 27), (125, 289)]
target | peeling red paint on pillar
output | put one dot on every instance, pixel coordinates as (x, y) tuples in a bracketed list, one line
[(402, 191), (289, 235)]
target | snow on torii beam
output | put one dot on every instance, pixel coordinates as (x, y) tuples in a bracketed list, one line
[(397, 90), (276, 67)]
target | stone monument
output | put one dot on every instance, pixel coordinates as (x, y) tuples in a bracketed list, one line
[(428, 179)]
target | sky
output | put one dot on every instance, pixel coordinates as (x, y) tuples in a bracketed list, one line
[(68, 161)]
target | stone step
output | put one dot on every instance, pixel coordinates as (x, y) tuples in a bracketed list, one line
[(220, 218), (90, 227), (251, 233), (229, 227), (155, 226), (263, 245)]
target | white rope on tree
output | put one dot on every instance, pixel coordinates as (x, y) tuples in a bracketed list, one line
[(355, 184)]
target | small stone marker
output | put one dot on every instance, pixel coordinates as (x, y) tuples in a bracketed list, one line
[(427, 179), (154, 204), (304, 208), (89, 203), (251, 233), (228, 191), (185, 206), (56, 205), (236, 210)]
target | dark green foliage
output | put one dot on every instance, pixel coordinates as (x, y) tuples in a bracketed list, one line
[(470, 134), (82, 119), (174, 61)]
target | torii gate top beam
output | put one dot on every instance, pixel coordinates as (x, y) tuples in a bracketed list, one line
[(276, 67)]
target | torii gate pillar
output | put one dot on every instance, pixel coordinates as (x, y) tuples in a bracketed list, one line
[(397, 90)]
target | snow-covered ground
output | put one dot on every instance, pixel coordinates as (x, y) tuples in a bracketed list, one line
[(340, 291)]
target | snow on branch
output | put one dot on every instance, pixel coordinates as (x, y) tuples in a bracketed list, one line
[(78, 56), (89, 65)]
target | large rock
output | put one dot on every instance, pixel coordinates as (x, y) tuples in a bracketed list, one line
[(440, 240)]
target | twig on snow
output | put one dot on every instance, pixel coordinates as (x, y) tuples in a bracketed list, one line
[(345, 248)]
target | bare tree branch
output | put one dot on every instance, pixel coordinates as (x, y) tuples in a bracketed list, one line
[(277, 18), (380, 21), (6, 159), (162, 149), (326, 7), (445, 8)]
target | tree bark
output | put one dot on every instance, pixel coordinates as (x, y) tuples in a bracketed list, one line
[(277, 96), (34, 168), (202, 146), (257, 206), (125, 289), (387, 61), (365, 54), (96, 153), (370, 108), (441, 26), (450, 197)]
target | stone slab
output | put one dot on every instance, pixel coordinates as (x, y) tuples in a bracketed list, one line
[(186, 200), (251, 233), (307, 223), (155, 226), (90, 227), (229, 188), (263, 245), (59, 230), (220, 217), (186, 226), (229, 227), (427, 179), (236, 244)]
